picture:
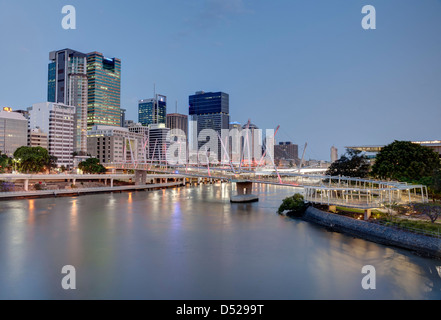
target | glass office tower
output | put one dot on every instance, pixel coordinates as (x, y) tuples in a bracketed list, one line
[(104, 94), (153, 111), (67, 84), (210, 110)]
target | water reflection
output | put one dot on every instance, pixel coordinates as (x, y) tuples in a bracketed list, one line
[(194, 244), (31, 210)]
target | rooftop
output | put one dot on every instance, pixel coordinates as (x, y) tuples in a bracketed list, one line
[(12, 115)]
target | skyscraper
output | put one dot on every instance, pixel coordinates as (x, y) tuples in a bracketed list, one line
[(178, 125), (210, 110), (159, 142), (67, 84), (104, 94), (178, 121), (153, 111)]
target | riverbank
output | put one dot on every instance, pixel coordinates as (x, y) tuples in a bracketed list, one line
[(84, 191), (419, 244)]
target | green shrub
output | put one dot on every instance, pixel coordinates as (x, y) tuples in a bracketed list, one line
[(295, 204)]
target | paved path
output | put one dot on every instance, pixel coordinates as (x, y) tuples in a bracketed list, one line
[(55, 193)]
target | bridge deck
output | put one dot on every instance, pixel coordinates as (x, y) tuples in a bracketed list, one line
[(320, 189)]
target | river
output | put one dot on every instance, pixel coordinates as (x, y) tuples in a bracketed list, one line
[(193, 244)]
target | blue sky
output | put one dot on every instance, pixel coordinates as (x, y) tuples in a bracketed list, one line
[(307, 66)]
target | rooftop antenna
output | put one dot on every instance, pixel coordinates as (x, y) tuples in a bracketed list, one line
[(155, 103)]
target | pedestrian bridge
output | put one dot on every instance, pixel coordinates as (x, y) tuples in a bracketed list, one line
[(317, 188)]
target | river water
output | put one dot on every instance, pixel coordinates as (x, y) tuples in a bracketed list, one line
[(193, 244)]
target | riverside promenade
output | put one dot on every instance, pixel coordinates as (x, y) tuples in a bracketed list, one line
[(75, 184), (84, 191), (28, 179)]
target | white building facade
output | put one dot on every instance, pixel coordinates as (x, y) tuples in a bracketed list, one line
[(58, 121), (13, 132)]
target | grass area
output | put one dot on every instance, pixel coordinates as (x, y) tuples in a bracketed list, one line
[(384, 218), (411, 224), (353, 210)]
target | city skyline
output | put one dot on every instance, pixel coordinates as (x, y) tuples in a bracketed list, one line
[(316, 74)]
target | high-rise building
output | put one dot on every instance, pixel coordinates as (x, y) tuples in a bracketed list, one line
[(13, 132), (67, 84), (334, 154), (104, 93), (178, 121), (153, 111), (159, 142), (57, 121), (234, 142), (209, 110), (178, 125), (252, 144), (286, 151)]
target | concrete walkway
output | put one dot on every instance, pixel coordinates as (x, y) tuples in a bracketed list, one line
[(55, 193)]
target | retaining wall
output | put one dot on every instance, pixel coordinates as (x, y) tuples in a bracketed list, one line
[(423, 245)]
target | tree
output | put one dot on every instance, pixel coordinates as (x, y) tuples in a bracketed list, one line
[(32, 159), (295, 204), (5, 162), (92, 165), (433, 211), (352, 164), (405, 161)]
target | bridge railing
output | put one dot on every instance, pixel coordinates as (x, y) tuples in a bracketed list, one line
[(318, 188)]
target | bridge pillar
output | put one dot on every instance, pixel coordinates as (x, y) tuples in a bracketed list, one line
[(111, 183), (367, 214), (244, 193), (140, 177), (26, 185)]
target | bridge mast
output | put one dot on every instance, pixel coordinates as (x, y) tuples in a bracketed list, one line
[(303, 157)]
